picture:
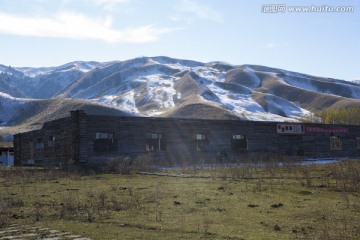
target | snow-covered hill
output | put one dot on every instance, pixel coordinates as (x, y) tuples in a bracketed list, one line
[(163, 86), (47, 82), (73, 66), (153, 86)]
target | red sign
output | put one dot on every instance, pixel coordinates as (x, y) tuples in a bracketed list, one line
[(326, 130)]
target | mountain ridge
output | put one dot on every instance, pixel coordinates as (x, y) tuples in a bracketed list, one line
[(168, 87)]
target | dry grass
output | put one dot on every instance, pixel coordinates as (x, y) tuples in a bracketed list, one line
[(248, 202)]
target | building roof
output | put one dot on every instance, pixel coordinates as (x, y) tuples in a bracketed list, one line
[(6, 145)]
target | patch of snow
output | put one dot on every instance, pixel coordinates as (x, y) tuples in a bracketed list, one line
[(154, 113), (204, 72), (243, 105), (6, 72), (305, 83), (161, 90), (237, 103), (125, 102), (79, 66), (33, 72), (355, 90), (290, 110), (177, 62), (295, 74), (210, 74), (254, 77), (302, 83), (177, 66)]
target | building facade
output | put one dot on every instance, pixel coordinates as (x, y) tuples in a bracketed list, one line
[(94, 139), (6, 154)]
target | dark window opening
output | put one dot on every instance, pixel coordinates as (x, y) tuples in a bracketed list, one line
[(335, 143), (300, 152), (39, 144), (201, 142), (155, 142), (51, 141), (105, 142), (358, 143), (239, 142)]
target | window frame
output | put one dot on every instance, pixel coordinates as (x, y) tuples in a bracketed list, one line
[(51, 141), (200, 142), (238, 141), (39, 145), (104, 135), (335, 143), (105, 142), (155, 142)]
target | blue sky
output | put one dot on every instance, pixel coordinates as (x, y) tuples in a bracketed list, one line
[(53, 32)]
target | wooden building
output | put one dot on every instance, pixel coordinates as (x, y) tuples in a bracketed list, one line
[(94, 139)]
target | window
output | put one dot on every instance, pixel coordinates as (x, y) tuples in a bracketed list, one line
[(51, 141), (105, 142), (238, 142), (201, 142), (39, 144), (104, 135), (155, 142), (200, 136), (358, 142), (335, 143)]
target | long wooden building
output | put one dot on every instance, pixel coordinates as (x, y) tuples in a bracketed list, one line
[(94, 140)]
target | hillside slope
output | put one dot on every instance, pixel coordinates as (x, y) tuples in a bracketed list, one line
[(19, 114), (164, 86)]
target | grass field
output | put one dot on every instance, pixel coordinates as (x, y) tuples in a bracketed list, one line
[(248, 202)]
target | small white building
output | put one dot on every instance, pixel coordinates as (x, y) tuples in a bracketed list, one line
[(6, 154)]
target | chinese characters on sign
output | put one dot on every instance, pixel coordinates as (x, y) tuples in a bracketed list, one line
[(326, 130)]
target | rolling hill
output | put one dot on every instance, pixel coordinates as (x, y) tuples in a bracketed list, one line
[(166, 87)]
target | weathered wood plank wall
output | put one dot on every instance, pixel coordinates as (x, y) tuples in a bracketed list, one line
[(75, 137)]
